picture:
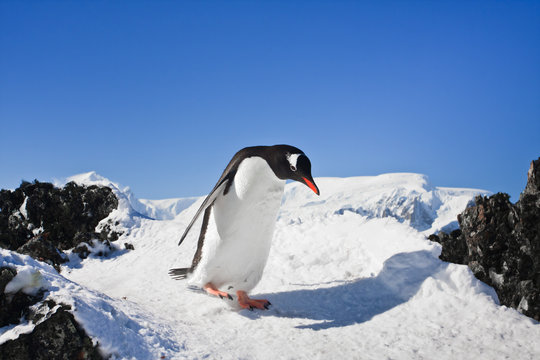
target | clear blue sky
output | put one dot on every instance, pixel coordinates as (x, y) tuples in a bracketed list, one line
[(158, 95)]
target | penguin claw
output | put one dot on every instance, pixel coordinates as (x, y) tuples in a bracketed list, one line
[(223, 297), (212, 290), (246, 303)]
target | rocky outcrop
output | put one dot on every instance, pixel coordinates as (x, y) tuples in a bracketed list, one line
[(56, 336), (454, 247), (13, 307), (500, 242), (41, 220)]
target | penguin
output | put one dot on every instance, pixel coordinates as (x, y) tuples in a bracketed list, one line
[(238, 220)]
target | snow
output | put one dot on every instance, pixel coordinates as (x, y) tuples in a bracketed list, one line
[(29, 281), (22, 209), (166, 209), (350, 275)]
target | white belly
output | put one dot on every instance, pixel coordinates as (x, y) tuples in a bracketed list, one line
[(240, 229)]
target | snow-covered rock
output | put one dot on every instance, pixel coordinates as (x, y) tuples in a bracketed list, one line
[(129, 211), (500, 242), (42, 220), (119, 326)]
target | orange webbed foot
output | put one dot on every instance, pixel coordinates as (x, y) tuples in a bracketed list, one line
[(246, 303), (212, 290)]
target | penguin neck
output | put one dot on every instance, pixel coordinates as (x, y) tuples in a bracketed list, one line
[(255, 179)]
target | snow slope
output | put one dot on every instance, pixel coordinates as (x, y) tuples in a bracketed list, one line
[(350, 275)]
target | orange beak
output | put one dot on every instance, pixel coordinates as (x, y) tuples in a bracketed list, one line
[(311, 185)]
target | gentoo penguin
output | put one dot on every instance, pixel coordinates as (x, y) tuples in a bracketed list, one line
[(238, 222)]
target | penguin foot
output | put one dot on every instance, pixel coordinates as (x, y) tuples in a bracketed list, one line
[(211, 289), (246, 303)]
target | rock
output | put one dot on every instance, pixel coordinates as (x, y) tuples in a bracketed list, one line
[(13, 307), (454, 249), (500, 242), (82, 250), (533, 179), (39, 247), (6, 275), (41, 220), (58, 337), (129, 246)]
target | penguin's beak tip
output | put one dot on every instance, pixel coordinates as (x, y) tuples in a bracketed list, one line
[(312, 186)]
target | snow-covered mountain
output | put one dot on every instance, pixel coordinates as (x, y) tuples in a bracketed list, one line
[(350, 275)]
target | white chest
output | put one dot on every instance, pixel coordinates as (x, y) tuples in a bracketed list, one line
[(252, 201)]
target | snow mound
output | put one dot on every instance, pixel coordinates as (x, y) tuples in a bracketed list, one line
[(407, 197), (167, 209)]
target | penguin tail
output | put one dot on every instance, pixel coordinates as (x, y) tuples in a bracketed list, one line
[(179, 273)]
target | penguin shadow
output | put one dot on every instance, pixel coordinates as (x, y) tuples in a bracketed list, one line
[(356, 301)]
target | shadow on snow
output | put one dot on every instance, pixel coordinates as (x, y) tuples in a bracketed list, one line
[(359, 300)]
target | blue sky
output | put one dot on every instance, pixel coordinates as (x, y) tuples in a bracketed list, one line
[(159, 95)]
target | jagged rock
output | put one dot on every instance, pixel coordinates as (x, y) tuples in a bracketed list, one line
[(454, 249), (500, 242), (68, 216), (13, 306), (39, 247), (58, 337), (533, 179)]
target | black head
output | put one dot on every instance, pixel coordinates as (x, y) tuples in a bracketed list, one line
[(290, 163)]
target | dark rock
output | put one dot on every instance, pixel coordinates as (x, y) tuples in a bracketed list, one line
[(6, 275), (68, 216), (454, 249), (13, 307), (129, 246), (533, 179), (39, 247), (58, 337), (500, 242), (82, 250)]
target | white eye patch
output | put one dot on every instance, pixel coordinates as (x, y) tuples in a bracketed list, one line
[(293, 158)]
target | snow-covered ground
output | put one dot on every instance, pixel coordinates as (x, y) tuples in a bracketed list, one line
[(350, 275)]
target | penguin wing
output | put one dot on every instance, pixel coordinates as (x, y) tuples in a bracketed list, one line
[(207, 203), (223, 184)]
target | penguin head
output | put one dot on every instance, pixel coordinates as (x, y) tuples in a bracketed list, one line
[(292, 164)]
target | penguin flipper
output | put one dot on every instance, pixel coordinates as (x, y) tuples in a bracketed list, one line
[(209, 201)]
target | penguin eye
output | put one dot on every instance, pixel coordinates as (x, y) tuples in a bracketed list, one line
[(293, 168)]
